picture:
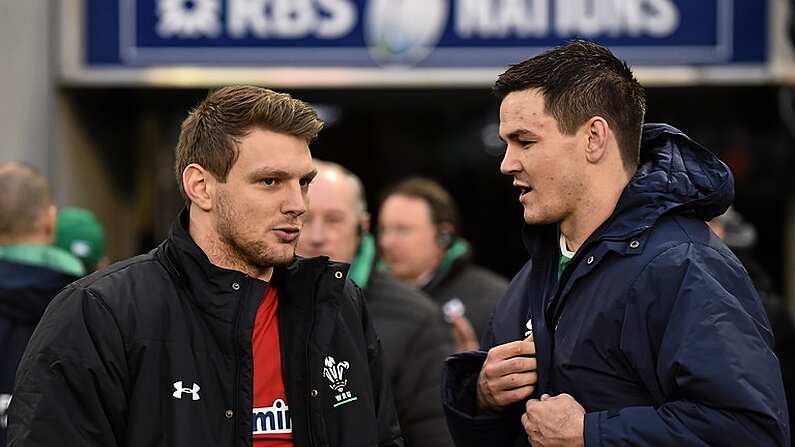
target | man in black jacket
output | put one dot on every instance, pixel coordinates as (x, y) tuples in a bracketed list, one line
[(32, 271), (219, 336), (416, 340)]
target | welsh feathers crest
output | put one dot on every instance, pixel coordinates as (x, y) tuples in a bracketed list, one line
[(334, 372)]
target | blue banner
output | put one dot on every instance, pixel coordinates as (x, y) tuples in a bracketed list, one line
[(420, 33)]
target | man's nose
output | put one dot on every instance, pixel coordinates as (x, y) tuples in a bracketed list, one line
[(295, 202), (509, 163)]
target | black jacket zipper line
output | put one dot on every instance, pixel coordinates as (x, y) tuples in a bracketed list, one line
[(236, 342), (310, 379)]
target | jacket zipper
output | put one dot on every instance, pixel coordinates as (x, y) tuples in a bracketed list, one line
[(310, 380), (236, 342)]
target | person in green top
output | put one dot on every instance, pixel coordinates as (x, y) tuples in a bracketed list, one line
[(28, 221), (420, 244), (79, 232), (32, 271)]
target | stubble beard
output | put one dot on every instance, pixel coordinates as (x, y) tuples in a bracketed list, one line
[(254, 254)]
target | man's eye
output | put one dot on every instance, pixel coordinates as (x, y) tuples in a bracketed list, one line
[(268, 181)]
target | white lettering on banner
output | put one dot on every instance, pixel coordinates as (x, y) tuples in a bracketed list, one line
[(340, 21), (501, 18), (5, 401), (177, 18), (588, 18), (290, 19), (293, 18)]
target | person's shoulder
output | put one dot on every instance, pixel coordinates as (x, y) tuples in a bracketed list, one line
[(387, 295), (482, 281), (675, 236), (124, 280), (485, 275)]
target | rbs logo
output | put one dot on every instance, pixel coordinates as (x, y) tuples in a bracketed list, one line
[(263, 19)]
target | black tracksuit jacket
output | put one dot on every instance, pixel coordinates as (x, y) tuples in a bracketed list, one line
[(156, 351)]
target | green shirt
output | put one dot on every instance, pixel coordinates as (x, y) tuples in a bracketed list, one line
[(565, 256), (43, 256)]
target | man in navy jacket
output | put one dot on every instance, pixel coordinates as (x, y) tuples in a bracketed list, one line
[(631, 323)]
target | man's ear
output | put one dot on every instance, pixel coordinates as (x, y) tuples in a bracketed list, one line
[(599, 134), (199, 185), (364, 222), (48, 222)]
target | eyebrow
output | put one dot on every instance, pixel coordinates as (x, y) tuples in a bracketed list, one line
[(516, 134), (280, 174)]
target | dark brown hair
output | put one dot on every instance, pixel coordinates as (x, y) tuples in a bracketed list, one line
[(211, 132), (441, 203), (580, 80)]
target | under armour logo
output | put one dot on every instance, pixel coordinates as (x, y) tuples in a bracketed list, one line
[(179, 390)]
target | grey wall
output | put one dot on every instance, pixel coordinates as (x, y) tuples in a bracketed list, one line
[(26, 82)]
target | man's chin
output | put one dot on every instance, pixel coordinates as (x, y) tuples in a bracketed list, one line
[(282, 258), (275, 257), (535, 219)]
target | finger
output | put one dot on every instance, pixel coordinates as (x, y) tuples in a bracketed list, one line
[(461, 343), (512, 382), (526, 423), (528, 429), (514, 365), (464, 332), (512, 349), (519, 364), (531, 405), (509, 397), (545, 396)]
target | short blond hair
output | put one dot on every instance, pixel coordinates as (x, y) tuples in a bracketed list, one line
[(26, 195)]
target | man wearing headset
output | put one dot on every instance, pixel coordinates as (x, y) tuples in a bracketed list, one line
[(419, 242)]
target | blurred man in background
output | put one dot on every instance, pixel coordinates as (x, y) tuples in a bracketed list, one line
[(414, 337), (419, 242), (740, 235), (79, 232), (32, 271)]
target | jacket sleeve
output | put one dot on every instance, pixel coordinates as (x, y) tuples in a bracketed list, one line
[(459, 397), (388, 426), (417, 390), (711, 364), (70, 383)]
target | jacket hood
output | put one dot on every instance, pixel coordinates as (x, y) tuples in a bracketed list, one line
[(676, 175)]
